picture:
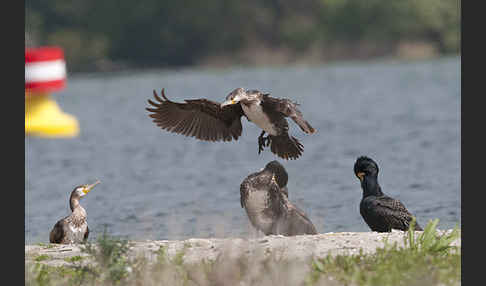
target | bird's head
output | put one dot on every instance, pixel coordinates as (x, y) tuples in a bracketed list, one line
[(83, 190), (281, 175), (365, 166), (234, 97)]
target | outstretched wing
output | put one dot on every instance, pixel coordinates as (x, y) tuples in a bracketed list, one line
[(57, 232), (394, 213), (200, 118), (288, 109)]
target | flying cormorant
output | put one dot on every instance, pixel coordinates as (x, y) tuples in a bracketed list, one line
[(264, 196), (73, 228), (382, 213), (211, 121)]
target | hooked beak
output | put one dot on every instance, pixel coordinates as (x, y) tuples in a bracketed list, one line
[(360, 175), (274, 179), (228, 102), (89, 187)]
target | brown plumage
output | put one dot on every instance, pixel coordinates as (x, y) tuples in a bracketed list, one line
[(74, 227), (200, 118), (264, 196), (294, 222), (210, 121)]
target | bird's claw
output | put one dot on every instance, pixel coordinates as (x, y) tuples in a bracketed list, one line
[(266, 139), (263, 142)]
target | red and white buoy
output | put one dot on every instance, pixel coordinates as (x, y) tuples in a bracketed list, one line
[(45, 69), (45, 72)]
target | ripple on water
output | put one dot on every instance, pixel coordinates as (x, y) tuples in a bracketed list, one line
[(154, 183)]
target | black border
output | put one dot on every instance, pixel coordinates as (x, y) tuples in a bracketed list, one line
[(472, 143), (12, 210)]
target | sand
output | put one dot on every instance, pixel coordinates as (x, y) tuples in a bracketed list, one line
[(196, 250)]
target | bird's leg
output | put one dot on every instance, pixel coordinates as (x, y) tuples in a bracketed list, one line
[(267, 140), (261, 142)]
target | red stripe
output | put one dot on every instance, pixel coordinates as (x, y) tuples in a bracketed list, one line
[(43, 54), (43, 86)]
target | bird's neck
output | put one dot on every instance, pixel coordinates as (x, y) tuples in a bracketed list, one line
[(74, 203), (251, 100), (78, 212), (371, 187)]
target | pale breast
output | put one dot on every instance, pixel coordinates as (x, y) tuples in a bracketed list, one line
[(256, 204), (255, 114), (76, 234)]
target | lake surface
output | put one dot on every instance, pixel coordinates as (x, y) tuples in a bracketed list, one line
[(161, 185)]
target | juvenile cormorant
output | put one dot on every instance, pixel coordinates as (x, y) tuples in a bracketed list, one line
[(73, 228), (264, 196), (211, 121), (382, 213)]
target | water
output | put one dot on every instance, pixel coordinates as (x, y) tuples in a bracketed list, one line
[(160, 185)]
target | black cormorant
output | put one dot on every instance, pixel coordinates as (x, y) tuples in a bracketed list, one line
[(264, 196), (382, 213), (211, 121), (73, 228)]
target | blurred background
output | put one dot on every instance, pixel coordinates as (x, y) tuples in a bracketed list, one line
[(113, 35), (378, 78)]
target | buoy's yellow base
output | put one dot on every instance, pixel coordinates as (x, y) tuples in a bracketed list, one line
[(44, 118)]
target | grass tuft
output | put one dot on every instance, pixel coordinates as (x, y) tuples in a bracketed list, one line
[(42, 257), (110, 255), (426, 259), (73, 259)]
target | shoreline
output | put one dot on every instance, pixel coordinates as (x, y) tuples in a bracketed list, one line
[(196, 250)]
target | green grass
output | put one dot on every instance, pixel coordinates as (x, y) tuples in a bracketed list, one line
[(428, 259), (42, 257), (73, 259), (110, 256), (48, 245)]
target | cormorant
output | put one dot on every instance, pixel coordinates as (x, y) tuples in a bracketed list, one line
[(264, 196), (211, 121), (382, 213), (73, 228)]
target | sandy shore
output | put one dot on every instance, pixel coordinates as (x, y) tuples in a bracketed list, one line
[(206, 249)]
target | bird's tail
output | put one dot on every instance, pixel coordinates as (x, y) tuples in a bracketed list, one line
[(285, 146)]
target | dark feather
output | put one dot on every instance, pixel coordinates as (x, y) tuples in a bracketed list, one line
[(285, 146), (297, 222), (200, 118), (385, 213), (57, 232), (86, 234), (288, 109)]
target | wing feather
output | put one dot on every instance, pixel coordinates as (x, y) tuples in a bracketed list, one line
[(57, 232), (301, 224), (289, 109), (200, 118), (394, 213), (86, 234)]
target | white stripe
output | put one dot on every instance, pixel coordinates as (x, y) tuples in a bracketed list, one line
[(45, 71)]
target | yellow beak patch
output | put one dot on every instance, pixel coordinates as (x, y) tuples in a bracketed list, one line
[(360, 175)]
